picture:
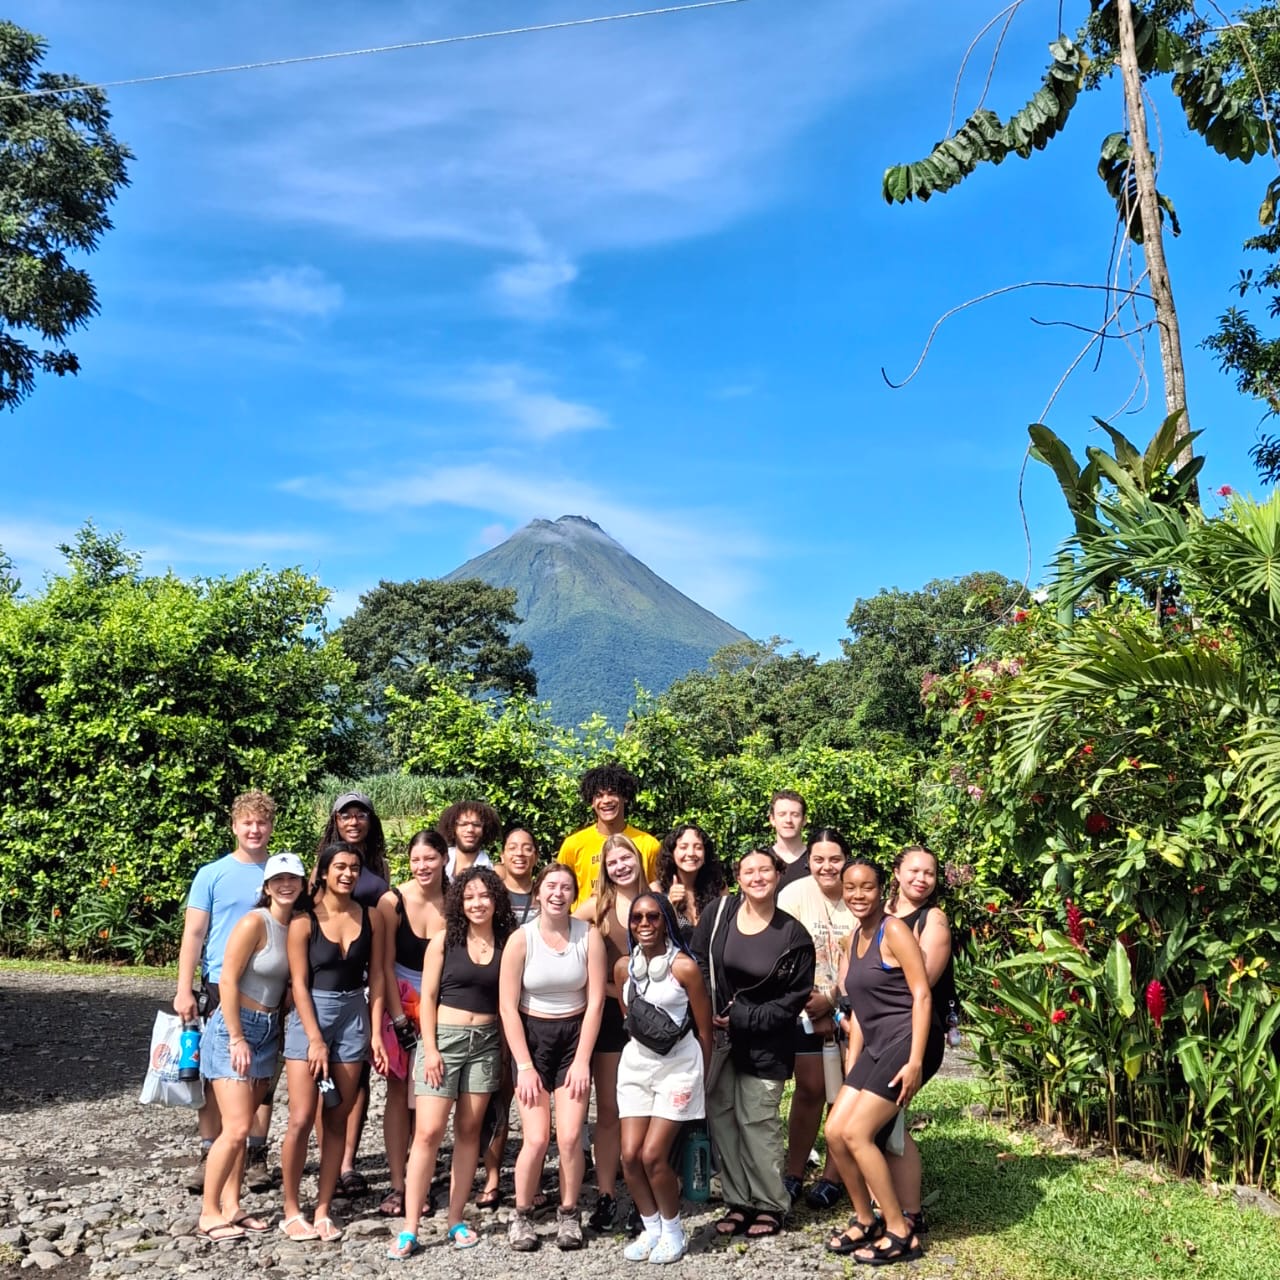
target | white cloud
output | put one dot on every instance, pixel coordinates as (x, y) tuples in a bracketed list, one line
[(543, 147), (538, 414), (707, 554), (534, 288), (284, 292)]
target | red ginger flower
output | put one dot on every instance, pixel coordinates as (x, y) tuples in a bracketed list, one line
[(1058, 1017), (1075, 924), (1155, 1000)]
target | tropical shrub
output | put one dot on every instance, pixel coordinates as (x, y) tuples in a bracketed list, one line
[(132, 710)]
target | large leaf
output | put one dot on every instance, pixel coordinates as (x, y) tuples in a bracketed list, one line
[(1119, 979)]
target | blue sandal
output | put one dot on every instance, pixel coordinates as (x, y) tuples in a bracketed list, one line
[(406, 1246), (462, 1237)]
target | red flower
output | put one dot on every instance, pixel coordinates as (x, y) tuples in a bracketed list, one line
[(1026, 1026), (1058, 1017), (1075, 924), (1097, 824), (979, 717), (1155, 1000), (1134, 762), (987, 695), (992, 907), (1169, 610), (1087, 749), (995, 984), (1225, 491), (1021, 616), (1199, 889), (1074, 996)]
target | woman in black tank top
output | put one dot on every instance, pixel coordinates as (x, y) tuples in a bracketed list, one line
[(884, 976), (913, 899), (331, 950), (458, 1065), (412, 914)]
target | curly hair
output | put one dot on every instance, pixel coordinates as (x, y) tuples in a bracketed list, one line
[(374, 853), (455, 919), (490, 823), (708, 884), (608, 777)]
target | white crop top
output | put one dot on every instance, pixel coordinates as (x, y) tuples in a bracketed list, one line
[(555, 982)]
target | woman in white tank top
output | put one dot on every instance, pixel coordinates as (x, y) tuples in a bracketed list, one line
[(658, 1092), (550, 997)]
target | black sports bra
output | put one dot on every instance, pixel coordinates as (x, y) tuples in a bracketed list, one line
[(330, 969)]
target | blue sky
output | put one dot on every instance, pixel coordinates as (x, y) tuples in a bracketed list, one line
[(370, 316)]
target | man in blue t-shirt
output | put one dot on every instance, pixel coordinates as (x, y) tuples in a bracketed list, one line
[(222, 892)]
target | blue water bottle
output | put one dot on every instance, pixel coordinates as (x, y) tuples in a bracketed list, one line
[(189, 1051), (696, 1165)]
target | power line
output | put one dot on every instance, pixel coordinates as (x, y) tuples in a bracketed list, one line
[(383, 48)]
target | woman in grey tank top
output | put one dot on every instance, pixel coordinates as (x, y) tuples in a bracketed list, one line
[(239, 1046)]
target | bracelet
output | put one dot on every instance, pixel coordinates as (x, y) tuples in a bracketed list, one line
[(237, 1040), (524, 1066)]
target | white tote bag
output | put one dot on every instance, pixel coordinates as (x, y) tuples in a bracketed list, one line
[(162, 1084)]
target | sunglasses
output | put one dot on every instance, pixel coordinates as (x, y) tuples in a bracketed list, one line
[(646, 917)]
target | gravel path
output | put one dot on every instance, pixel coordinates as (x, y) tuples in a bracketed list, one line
[(93, 1184)]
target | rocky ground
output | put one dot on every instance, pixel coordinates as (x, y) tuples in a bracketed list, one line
[(93, 1184)]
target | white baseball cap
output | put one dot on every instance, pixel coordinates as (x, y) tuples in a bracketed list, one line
[(283, 864)]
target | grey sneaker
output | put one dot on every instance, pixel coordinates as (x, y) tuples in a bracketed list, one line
[(568, 1229), (520, 1234)]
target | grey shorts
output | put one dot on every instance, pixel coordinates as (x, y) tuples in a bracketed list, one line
[(472, 1062), (344, 1023)]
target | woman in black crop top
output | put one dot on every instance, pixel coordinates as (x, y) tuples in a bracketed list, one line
[(333, 951), (458, 1063), (412, 914)]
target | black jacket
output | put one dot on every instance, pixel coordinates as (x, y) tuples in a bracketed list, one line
[(762, 1017)]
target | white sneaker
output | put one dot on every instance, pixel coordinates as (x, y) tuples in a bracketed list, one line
[(669, 1249), (640, 1248)]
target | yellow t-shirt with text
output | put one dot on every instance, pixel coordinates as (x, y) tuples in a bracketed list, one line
[(581, 851)]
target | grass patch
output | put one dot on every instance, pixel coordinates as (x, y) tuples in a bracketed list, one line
[(1009, 1208), (78, 969)]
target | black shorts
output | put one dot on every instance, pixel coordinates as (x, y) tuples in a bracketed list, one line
[(807, 1043), (613, 1035), (553, 1045), (874, 1074)]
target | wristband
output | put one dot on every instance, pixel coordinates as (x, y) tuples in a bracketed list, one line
[(237, 1040)]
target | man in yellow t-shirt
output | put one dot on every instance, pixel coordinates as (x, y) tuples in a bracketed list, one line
[(608, 789)]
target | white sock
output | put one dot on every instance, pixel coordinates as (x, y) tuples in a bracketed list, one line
[(652, 1226), (672, 1229)]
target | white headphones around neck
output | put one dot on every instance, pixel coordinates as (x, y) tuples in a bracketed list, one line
[(641, 967)]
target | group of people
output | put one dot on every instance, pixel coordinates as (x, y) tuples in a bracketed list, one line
[(625, 969)]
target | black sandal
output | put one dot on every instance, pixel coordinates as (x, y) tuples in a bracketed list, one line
[(735, 1221), (917, 1221), (844, 1244), (489, 1199), (900, 1249), (770, 1224)]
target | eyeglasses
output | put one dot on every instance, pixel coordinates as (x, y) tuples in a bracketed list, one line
[(646, 917)]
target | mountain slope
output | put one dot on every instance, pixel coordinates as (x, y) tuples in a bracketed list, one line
[(596, 618)]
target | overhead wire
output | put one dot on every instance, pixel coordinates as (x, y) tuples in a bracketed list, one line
[(399, 47)]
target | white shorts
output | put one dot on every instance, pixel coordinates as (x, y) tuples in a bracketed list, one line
[(667, 1086)]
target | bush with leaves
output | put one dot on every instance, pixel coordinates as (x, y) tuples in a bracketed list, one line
[(132, 710)]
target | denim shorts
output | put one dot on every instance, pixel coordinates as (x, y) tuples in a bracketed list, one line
[(260, 1030), (344, 1023), (472, 1059)]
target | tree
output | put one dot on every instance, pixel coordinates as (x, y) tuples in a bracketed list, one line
[(751, 688), (60, 169), (408, 633), (1249, 65), (1160, 37), (901, 638)]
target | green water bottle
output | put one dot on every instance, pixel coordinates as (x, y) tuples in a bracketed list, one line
[(695, 1169)]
